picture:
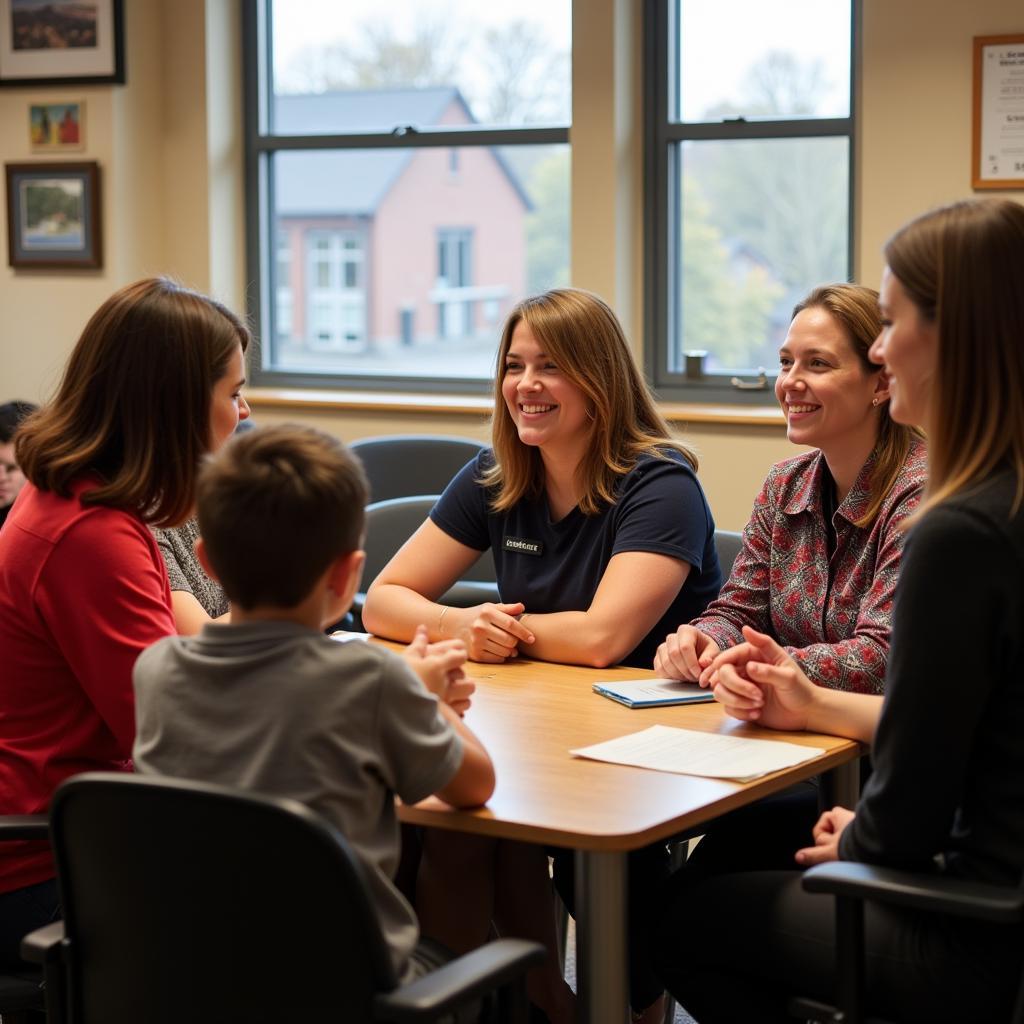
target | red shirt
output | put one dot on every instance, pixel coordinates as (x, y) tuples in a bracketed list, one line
[(83, 591)]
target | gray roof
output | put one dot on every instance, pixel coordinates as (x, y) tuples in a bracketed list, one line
[(363, 110), (354, 182)]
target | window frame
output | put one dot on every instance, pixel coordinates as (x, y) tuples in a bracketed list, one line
[(662, 224), (260, 254)]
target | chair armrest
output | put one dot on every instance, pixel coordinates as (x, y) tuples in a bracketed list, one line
[(47, 946), (43, 946), (24, 826), (467, 978), (935, 893)]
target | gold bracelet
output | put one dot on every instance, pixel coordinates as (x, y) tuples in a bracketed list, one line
[(444, 612)]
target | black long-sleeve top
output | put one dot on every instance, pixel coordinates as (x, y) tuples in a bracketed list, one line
[(948, 781)]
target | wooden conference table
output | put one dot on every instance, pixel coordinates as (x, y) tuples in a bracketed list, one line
[(529, 714)]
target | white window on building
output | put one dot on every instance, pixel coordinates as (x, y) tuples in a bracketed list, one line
[(336, 295)]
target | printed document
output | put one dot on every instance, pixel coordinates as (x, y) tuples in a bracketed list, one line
[(710, 754)]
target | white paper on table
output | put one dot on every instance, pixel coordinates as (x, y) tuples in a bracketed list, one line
[(344, 636), (710, 754)]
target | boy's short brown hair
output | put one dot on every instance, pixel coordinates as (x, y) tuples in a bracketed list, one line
[(275, 508)]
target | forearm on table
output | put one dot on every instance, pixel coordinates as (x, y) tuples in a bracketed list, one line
[(576, 638), (473, 783), (394, 611), (856, 665), (839, 713)]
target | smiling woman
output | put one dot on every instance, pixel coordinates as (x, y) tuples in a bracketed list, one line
[(822, 549), (582, 494), (602, 540)]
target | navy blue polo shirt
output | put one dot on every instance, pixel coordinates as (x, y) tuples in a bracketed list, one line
[(557, 566)]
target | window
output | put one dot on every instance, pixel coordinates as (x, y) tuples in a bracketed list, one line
[(749, 177), (407, 182)]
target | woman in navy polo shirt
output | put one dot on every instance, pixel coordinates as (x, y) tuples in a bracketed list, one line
[(582, 495), (602, 541)]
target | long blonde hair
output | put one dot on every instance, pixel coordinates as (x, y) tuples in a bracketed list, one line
[(962, 266), (582, 335), (855, 309)]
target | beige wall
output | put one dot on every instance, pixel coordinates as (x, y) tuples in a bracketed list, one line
[(915, 123), (169, 144)]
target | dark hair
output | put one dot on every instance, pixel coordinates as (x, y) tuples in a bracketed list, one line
[(133, 407), (961, 266), (855, 309), (584, 338), (11, 416), (276, 506)]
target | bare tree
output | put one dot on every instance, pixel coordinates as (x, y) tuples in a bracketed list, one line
[(513, 76), (527, 77), (378, 58), (782, 84)]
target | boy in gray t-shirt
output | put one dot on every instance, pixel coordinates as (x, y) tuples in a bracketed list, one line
[(268, 703)]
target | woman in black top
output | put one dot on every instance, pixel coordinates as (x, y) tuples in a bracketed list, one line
[(947, 793)]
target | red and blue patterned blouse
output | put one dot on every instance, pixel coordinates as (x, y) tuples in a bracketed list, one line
[(833, 616)]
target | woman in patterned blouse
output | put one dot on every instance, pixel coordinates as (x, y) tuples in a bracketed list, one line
[(821, 551)]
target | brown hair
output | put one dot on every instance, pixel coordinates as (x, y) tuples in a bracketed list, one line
[(133, 406), (276, 506), (581, 334), (855, 309), (961, 266)]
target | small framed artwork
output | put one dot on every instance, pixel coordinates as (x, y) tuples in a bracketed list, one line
[(997, 159), (56, 127), (61, 42), (53, 215)]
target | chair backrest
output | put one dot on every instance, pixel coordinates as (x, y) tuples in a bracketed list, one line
[(728, 544), (406, 464), (389, 524), (191, 902)]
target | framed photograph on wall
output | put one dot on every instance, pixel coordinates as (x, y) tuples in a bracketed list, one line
[(61, 42), (997, 158), (53, 215), (56, 127)]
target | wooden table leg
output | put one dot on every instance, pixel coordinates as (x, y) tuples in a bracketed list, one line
[(601, 955)]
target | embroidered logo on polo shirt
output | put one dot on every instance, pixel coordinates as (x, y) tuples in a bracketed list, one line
[(523, 546)]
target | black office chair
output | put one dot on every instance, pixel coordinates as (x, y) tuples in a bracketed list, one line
[(852, 884), (185, 901), (21, 991), (407, 464), (728, 544), (389, 524)]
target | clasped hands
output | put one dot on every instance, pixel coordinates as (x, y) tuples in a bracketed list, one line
[(490, 632), (755, 681), (440, 668)]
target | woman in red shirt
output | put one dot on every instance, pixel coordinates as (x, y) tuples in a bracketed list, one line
[(153, 383)]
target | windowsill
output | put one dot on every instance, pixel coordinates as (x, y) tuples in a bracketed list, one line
[(477, 405)]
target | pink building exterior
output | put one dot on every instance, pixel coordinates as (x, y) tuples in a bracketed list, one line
[(384, 247)]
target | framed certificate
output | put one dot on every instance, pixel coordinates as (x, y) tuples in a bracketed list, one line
[(998, 136)]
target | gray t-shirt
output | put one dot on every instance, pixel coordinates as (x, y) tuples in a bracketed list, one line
[(178, 547), (284, 711)]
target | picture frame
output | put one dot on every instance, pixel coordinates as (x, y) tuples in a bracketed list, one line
[(61, 42), (56, 127), (997, 136), (53, 215)]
